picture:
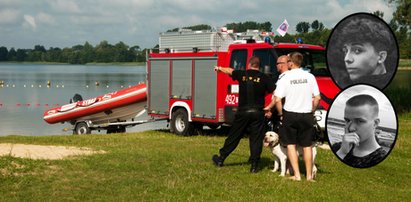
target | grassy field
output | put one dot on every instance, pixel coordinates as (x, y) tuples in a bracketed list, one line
[(159, 166)]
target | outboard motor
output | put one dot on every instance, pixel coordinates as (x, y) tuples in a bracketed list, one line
[(76, 98)]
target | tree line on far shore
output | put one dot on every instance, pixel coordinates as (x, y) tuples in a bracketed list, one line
[(104, 52)]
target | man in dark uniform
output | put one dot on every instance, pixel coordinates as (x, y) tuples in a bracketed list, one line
[(254, 85)]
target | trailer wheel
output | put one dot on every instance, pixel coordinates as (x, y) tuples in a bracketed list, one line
[(81, 128), (121, 129), (180, 124)]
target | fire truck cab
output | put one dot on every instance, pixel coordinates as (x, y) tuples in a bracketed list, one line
[(184, 88)]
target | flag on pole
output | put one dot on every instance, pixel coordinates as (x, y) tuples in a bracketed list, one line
[(282, 29)]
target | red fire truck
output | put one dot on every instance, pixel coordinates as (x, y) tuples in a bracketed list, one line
[(184, 89)]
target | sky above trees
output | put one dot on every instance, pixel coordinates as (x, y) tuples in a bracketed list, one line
[(65, 23)]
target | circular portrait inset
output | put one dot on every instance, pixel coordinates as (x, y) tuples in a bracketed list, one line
[(362, 48), (362, 126)]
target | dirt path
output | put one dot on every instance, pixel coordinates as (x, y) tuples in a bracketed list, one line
[(43, 152)]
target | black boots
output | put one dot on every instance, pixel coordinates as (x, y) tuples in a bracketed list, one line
[(218, 160), (254, 167)]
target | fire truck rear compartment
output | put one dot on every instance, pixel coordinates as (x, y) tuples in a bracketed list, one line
[(183, 80)]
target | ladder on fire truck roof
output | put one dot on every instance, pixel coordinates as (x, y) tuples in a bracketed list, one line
[(186, 40)]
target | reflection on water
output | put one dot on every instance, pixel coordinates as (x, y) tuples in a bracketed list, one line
[(335, 133), (28, 90)]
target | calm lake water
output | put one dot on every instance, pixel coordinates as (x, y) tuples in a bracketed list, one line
[(25, 94)]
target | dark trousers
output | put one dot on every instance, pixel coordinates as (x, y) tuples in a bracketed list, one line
[(251, 122)]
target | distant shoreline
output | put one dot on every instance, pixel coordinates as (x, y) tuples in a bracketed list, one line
[(404, 68), (400, 67)]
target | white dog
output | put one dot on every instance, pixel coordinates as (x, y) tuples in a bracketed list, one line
[(272, 140)]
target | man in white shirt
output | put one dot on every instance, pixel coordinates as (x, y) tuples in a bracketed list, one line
[(302, 96), (282, 66)]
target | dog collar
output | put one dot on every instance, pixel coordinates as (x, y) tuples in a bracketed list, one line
[(273, 145)]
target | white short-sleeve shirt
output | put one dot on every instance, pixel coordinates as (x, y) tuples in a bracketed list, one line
[(298, 88), (280, 77)]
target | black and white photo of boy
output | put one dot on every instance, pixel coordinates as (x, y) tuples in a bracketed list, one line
[(362, 49), (361, 126)]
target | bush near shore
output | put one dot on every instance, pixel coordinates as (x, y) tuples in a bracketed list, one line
[(404, 63)]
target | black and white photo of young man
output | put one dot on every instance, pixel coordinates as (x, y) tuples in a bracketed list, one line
[(362, 49), (361, 126)]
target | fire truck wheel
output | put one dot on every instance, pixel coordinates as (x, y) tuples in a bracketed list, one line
[(213, 126), (180, 124), (81, 128)]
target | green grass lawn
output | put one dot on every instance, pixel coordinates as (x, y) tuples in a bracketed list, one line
[(160, 166)]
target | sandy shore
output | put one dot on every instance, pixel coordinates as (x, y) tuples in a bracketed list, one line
[(43, 152)]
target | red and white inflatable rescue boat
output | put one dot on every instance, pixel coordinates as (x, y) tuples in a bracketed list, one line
[(112, 107)]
